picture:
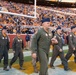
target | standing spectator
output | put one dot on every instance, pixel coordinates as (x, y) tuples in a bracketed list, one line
[(4, 47), (18, 46)]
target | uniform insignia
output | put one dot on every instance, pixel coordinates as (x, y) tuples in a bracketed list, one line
[(21, 40), (50, 34), (18, 40), (70, 35), (2, 37), (46, 34)]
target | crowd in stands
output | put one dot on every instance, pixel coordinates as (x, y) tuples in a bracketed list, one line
[(59, 16)]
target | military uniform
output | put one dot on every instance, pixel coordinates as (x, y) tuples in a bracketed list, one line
[(34, 60), (71, 44), (41, 46), (4, 47), (56, 52), (17, 47)]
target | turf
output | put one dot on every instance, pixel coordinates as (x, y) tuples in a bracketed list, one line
[(26, 59)]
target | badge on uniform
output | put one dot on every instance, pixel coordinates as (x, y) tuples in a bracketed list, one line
[(70, 35), (46, 34), (18, 40), (21, 40), (2, 37), (50, 34)]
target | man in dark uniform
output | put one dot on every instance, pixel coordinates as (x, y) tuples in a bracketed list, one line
[(57, 51), (4, 47), (72, 44), (34, 60), (42, 43), (18, 46)]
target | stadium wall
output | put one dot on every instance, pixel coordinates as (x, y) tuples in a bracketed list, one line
[(11, 37)]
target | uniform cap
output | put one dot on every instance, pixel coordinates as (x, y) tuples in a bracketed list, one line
[(45, 20)]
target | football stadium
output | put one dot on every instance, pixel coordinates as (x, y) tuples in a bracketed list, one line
[(37, 37)]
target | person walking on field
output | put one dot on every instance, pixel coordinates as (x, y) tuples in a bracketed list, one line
[(18, 46), (42, 42), (72, 44)]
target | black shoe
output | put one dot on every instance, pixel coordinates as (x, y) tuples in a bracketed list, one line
[(21, 68), (52, 66), (6, 69), (67, 69)]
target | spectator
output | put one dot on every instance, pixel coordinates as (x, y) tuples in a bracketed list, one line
[(27, 38)]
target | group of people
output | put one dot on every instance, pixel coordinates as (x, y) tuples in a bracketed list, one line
[(17, 46), (40, 46)]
